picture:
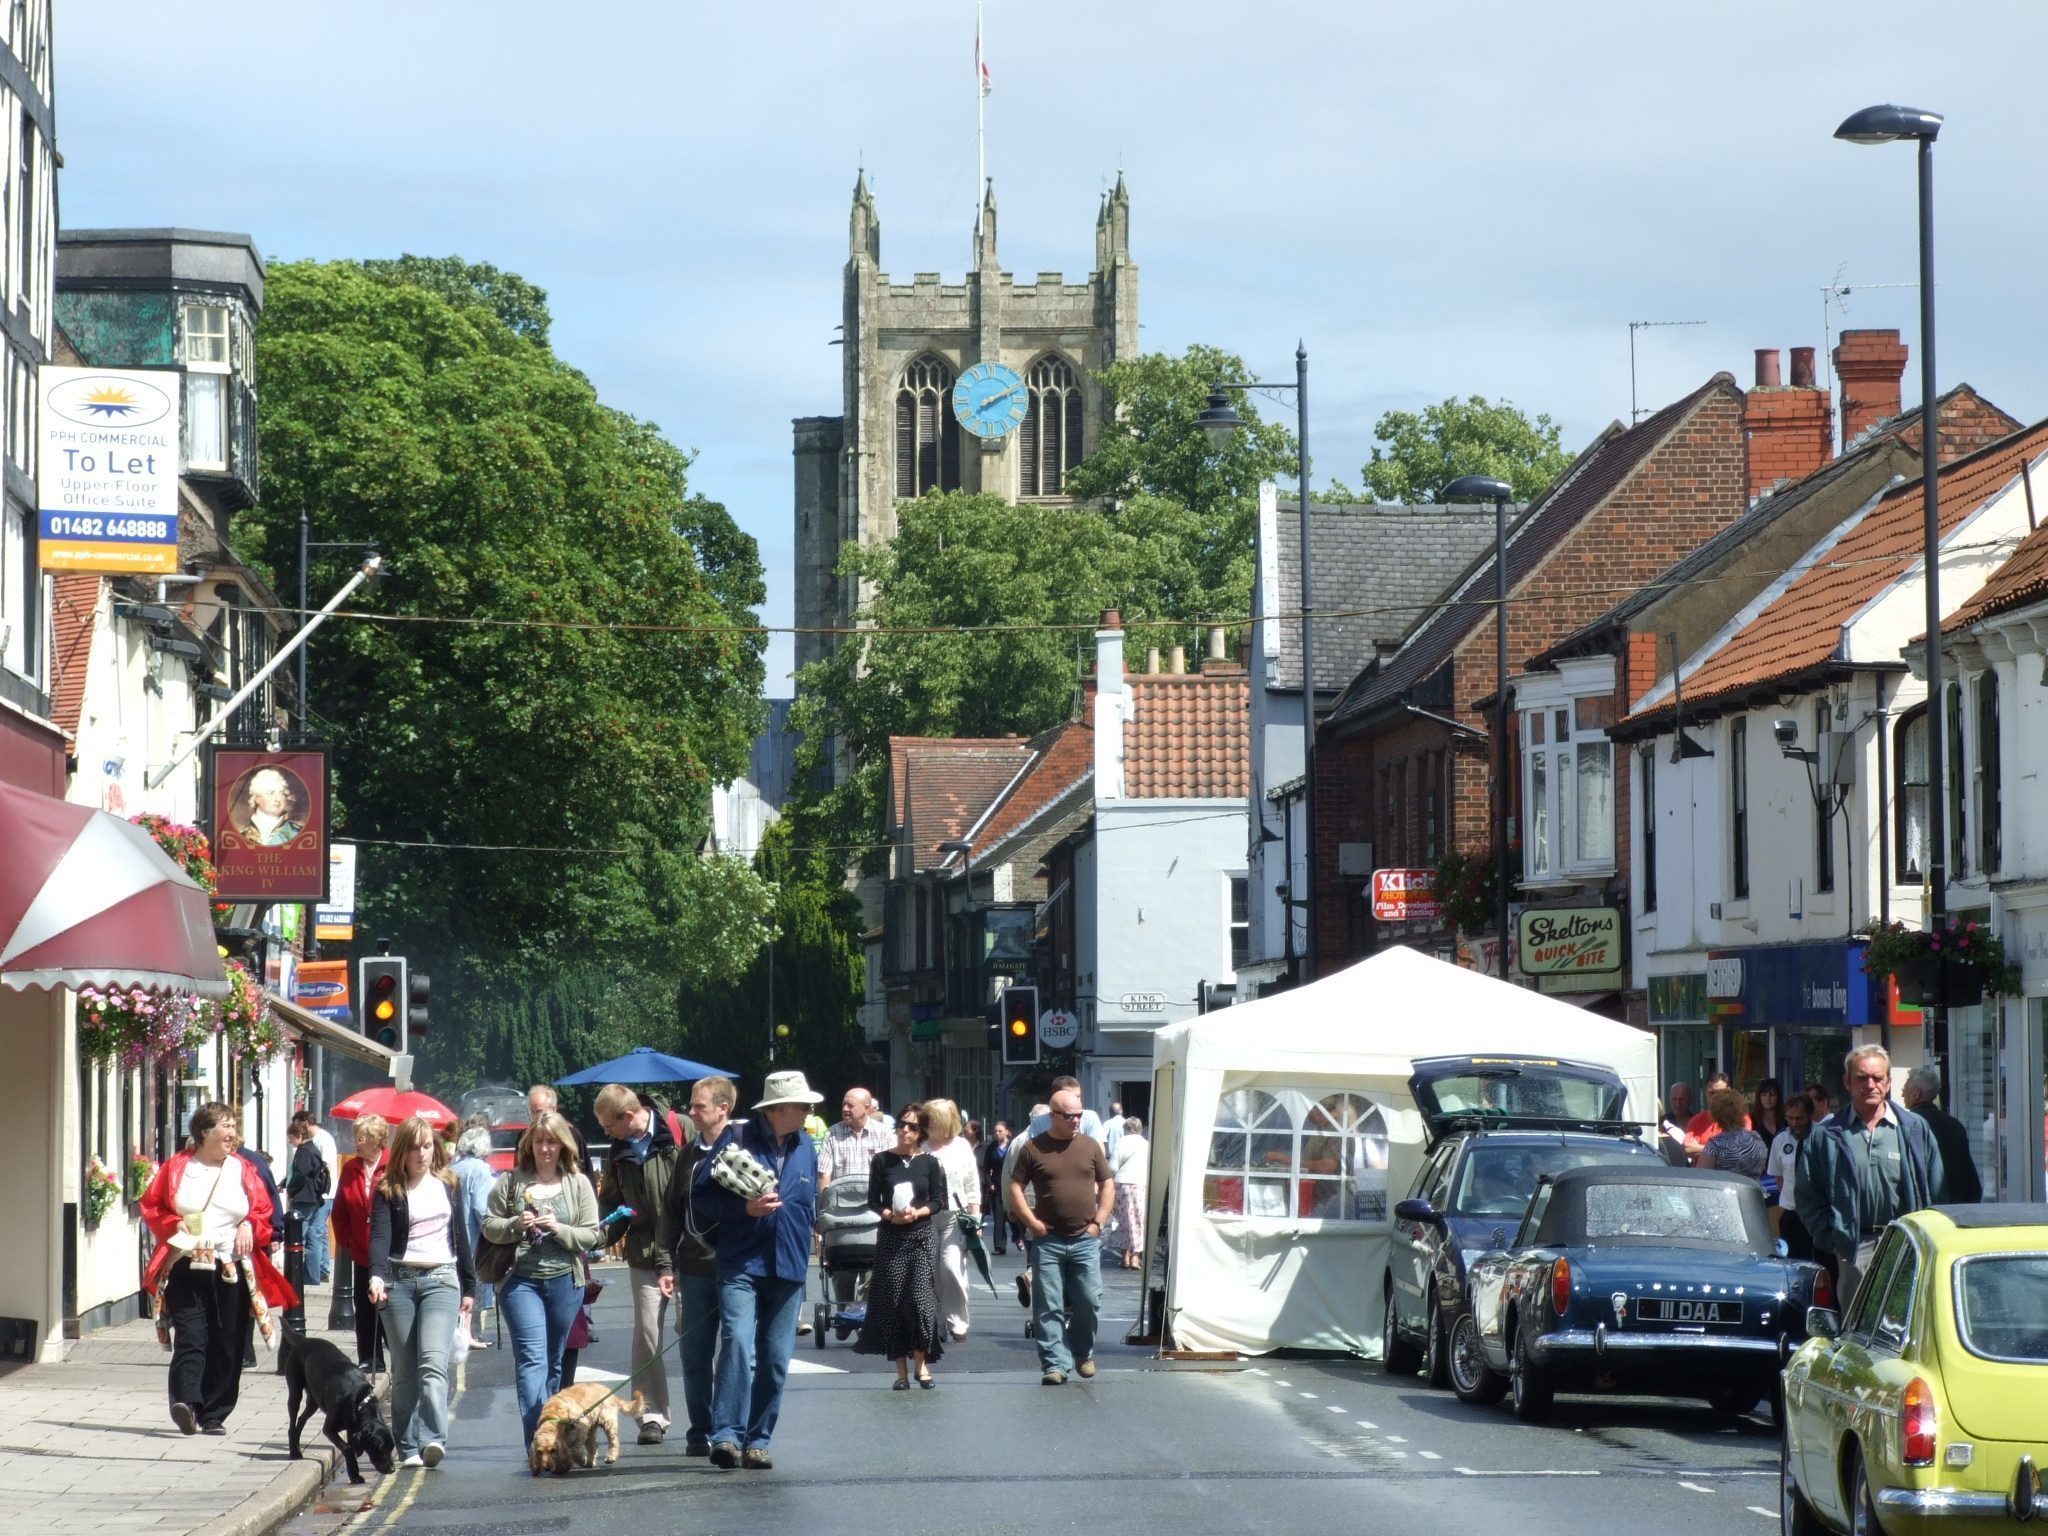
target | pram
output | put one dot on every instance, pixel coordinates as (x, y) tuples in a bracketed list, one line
[(847, 1232)]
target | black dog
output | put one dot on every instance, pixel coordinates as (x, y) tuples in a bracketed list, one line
[(314, 1369)]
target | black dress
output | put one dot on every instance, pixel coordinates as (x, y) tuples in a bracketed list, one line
[(903, 1295)]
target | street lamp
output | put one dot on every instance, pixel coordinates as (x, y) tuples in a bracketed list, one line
[(1889, 125), (1220, 422), (1486, 488)]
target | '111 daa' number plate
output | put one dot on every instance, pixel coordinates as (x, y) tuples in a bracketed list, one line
[(1680, 1309)]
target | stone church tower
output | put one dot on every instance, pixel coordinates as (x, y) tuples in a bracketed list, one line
[(905, 345)]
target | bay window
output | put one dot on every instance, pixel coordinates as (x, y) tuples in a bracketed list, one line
[(1568, 788)]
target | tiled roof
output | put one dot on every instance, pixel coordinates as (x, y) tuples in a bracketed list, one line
[(1596, 474), (940, 788), (1801, 628), (1188, 735), (1062, 758), (2023, 579), (1376, 570), (74, 600)]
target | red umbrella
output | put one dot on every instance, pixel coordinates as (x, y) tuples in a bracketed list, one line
[(394, 1106), (87, 899)]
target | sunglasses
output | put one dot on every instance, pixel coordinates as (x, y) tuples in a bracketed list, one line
[(1061, 1114)]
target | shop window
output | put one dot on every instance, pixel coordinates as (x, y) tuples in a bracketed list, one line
[(1295, 1153), (1909, 797)]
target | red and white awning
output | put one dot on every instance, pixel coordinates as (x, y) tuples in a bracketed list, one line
[(88, 899)]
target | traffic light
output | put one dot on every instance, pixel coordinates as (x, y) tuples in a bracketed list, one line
[(1020, 1026), (384, 999), (418, 990)]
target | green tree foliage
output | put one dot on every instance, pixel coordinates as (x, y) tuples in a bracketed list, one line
[(519, 304), (1426, 452)]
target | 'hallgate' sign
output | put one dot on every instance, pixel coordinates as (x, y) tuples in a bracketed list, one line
[(1560, 940), (107, 473)]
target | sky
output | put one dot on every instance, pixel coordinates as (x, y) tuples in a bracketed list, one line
[(1467, 197)]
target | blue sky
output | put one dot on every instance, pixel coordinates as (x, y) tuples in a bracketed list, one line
[(1444, 199)]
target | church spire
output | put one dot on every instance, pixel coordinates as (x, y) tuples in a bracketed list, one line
[(1115, 234), (864, 227)]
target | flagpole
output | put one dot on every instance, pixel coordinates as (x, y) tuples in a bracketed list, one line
[(980, 126)]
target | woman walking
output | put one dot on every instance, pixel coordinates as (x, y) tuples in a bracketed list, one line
[(907, 1187), (545, 1205), (352, 1203), (1004, 1227), (1131, 1166), (473, 1181), (423, 1281), (955, 1153), (212, 1219)]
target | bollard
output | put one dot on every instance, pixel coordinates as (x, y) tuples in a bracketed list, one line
[(341, 1306), (295, 1270)]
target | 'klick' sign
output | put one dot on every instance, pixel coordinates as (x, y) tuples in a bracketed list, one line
[(1405, 896)]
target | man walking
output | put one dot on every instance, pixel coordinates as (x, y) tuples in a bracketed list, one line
[(1072, 1193), (849, 1147), (693, 1277), (1923, 1084), (1783, 1165), (764, 1254), (319, 1258), (646, 1143), (1862, 1168)]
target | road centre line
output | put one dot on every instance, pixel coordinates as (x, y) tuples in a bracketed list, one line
[(1310, 1396), (1430, 1456), (1333, 1408), (1695, 1487), (1534, 1472), (1366, 1424), (1758, 1509), (1396, 1440)]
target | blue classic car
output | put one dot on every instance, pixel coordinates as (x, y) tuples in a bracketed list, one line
[(1635, 1278)]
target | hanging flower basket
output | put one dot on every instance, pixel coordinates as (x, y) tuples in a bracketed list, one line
[(102, 1189), (140, 1172), (1465, 885), (244, 1017), (187, 847), (1956, 963), (134, 1026)]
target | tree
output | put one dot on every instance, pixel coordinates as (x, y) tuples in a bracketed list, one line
[(1425, 453), (519, 304)]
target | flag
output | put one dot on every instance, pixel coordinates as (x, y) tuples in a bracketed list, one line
[(980, 64)]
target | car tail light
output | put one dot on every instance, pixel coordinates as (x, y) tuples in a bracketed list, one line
[(1823, 1290), (1561, 1287), (1919, 1422)]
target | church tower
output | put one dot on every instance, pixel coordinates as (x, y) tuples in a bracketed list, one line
[(907, 345)]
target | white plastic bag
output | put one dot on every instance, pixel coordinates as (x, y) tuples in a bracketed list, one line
[(460, 1351)]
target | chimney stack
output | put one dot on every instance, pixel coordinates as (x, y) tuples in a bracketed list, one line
[(1870, 365), (1789, 428), (1109, 653)]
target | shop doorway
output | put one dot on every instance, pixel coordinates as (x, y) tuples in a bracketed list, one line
[(1749, 1058), (1807, 1056)]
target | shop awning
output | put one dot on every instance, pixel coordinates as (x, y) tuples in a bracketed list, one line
[(88, 899), (314, 1029)]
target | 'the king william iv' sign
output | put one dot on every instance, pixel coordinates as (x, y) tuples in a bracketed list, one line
[(107, 475)]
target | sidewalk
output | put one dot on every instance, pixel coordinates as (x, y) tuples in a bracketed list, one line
[(88, 1445)]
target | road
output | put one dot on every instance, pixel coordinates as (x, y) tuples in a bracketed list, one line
[(1298, 1445)]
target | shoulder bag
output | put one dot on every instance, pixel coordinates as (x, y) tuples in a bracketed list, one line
[(493, 1260)]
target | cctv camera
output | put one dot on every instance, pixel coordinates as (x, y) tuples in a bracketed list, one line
[(1787, 732)]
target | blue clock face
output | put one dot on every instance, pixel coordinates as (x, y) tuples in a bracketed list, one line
[(989, 400)]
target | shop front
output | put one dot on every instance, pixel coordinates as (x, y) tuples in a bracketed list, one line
[(1774, 1010)]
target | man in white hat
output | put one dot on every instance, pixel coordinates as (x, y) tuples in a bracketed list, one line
[(764, 1255)]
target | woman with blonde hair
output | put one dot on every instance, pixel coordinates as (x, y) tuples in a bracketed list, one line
[(423, 1281), (963, 1194), (352, 1200), (545, 1205)]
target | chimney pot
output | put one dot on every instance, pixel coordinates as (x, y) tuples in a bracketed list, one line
[(1112, 619), (1179, 664), (1152, 661), (1802, 368), (1766, 367), (1216, 652)]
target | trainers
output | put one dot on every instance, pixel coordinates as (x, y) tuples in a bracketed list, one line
[(757, 1459), (213, 1429), (697, 1448), (1087, 1367), (414, 1460), (652, 1431), (186, 1420), (431, 1456), (725, 1454), (1053, 1379)]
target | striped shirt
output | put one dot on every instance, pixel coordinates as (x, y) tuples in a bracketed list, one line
[(848, 1152)]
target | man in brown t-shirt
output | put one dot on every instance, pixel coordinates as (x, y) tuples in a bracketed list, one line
[(1070, 1182)]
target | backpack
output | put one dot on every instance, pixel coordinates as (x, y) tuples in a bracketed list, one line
[(322, 1181)]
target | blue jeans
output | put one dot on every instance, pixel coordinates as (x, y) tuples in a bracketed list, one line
[(1066, 1295), (539, 1313), (697, 1324), (421, 1308), (757, 1320), (319, 1260)]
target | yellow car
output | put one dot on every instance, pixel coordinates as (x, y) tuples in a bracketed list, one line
[(1927, 1407)]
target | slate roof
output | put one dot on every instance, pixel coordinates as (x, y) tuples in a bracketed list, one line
[(1801, 629), (1188, 735), (1376, 569), (1467, 603), (940, 788)]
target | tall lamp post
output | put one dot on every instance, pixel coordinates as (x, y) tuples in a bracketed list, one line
[(1221, 422), (1890, 125), (1486, 488)]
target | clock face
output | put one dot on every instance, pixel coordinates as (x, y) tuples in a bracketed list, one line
[(989, 400)]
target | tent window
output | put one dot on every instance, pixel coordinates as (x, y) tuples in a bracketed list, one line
[(1289, 1154)]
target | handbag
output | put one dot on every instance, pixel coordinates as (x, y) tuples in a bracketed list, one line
[(493, 1260)]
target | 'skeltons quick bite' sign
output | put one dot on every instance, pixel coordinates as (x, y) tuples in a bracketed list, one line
[(107, 472)]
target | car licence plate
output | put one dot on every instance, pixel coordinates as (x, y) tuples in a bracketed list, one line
[(1682, 1309)]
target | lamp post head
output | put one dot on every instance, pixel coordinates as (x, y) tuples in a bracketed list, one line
[(1220, 422), (1477, 488), (1887, 124)]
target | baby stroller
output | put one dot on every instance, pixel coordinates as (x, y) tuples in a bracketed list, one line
[(847, 1231)]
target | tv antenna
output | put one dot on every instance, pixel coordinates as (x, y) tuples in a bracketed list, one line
[(1635, 412), (1836, 295)]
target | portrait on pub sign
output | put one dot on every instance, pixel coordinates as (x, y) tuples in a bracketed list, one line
[(270, 824)]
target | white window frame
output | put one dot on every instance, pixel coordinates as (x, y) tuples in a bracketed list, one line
[(1550, 811), (1232, 883), (200, 364)]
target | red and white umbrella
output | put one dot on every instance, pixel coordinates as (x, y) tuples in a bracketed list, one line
[(89, 900), (394, 1105)]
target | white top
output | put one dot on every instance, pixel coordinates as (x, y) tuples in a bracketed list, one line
[(963, 1174), (1131, 1162), (427, 1208), (1783, 1165), (217, 1196), (330, 1154), (1112, 1132)]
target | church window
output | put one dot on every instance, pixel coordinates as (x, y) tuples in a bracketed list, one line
[(927, 436), (1049, 442)]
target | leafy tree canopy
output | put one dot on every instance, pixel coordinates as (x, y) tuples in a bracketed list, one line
[(1426, 452), (521, 305)]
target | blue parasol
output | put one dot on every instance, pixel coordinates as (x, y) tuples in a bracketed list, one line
[(642, 1064)]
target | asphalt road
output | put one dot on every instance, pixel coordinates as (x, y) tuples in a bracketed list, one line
[(1297, 1445)]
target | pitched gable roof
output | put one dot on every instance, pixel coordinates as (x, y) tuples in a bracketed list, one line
[(1188, 735), (939, 788), (2021, 580), (1061, 759)]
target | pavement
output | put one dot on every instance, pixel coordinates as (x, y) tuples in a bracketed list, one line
[(88, 1444)]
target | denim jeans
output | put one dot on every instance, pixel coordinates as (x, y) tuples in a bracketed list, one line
[(1066, 1295), (421, 1308), (757, 1318), (319, 1257), (697, 1323), (539, 1313)]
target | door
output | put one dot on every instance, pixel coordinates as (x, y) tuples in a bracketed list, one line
[(1409, 1261), (1840, 1373)]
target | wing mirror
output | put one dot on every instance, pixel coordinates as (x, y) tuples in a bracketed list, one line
[(1418, 1210), (1823, 1323), (1782, 1249)]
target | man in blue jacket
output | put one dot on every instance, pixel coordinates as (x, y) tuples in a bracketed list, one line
[(764, 1255)]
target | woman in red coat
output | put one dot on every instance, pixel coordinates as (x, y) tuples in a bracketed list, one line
[(209, 1210), (352, 1201)]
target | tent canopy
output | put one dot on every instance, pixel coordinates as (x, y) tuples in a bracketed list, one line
[(1285, 1132)]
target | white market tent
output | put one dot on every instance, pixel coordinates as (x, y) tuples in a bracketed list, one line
[(1284, 1131)]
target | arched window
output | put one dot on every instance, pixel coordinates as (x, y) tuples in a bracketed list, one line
[(927, 436), (1049, 443), (1288, 1154)]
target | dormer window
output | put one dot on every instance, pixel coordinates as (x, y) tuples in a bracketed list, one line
[(207, 355)]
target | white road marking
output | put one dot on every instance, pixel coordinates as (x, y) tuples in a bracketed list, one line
[(1397, 1440), (1367, 1424), (591, 1373), (798, 1366), (1309, 1395), (1534, 1472), (1695, 1487), (1397, 1453), (1429, 1456), (1279, 1383), (1257, 1372), (1333, 1408), (1758, 1509)]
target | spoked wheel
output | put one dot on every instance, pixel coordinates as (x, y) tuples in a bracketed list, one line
[(1528, 1382), (1397, 1356), (1471, 1377)]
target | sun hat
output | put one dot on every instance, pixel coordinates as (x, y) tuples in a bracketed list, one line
[(787, 1088)]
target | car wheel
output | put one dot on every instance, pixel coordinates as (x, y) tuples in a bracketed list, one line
[(1436, 1350), (1471, 1377), (1397, 1355), (1862, 1504), (1734, 1399), (1528, 1382), (1795, 1515)]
